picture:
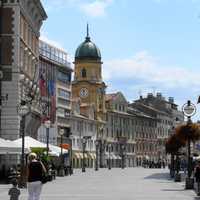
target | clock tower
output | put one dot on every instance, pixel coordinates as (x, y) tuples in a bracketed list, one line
[(88, 84)]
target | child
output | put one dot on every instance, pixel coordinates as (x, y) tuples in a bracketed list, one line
[(14, 192)]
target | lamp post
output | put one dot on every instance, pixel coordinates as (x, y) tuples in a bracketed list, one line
[(84, 145), (101, 147), (47, 124), (84, 141), (97, 155), (61, 133), (23, 110), (189, 110), (71, 153), (109, 160), (123, 148), (29, 91)]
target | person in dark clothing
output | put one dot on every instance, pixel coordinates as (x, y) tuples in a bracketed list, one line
[(35, 174), (197, 177), (14, 192)]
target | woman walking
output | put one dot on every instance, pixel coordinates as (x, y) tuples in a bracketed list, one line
[(35, 173)]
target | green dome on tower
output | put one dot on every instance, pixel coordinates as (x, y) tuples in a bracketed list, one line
[(87, 50)]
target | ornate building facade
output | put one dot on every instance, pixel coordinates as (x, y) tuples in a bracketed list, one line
[(120, 134), (21, 21), (166, 114)]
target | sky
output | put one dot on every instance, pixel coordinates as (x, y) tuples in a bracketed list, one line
[(147, 46)]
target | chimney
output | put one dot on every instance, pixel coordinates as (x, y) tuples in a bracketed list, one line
[(150, 95), (171, 99), (159, 95)]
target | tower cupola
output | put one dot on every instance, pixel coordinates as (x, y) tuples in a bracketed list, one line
[(87, 50)]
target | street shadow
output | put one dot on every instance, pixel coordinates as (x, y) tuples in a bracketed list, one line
[(197, 198), (161, 176)]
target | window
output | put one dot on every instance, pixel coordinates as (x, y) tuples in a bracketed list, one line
[(63, 77), (64, 94), (61, 112), (83, 73)]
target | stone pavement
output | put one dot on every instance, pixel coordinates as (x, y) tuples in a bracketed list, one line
[(114, 184)]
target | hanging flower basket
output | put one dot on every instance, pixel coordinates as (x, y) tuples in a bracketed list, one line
[(173, 144), (188, 132)]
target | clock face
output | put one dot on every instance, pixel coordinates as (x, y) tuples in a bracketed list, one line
[(84, 92)]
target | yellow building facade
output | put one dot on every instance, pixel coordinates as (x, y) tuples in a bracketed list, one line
[(88, 84)]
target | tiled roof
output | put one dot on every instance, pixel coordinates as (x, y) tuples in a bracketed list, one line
[(111, 96)]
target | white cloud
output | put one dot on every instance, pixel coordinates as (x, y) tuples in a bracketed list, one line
[(146, 68), (52, 5), (96, 8)]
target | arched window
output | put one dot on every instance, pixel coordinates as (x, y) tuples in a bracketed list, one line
[(83, 73)]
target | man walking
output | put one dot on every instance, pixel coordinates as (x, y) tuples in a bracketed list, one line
[(197, 176)]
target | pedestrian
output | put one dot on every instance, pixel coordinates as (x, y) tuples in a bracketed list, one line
[(14, 192), (36, 171), (197, 176)]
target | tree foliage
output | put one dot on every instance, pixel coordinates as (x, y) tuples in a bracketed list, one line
[(189, 131), (183, 133), (173, 144)]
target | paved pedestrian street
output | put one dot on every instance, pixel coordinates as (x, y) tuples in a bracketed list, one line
[(114, 184)]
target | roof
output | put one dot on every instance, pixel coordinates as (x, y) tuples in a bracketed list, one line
[(150, 108), (111, 96), (87, 49), (139, 113)]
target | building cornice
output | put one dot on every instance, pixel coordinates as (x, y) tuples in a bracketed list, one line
[(41, 9)]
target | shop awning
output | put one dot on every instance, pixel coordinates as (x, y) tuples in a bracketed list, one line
[(10, 147), (85, 155), (94, 156), (65, 146), (81, 155), (118, 157), (114, 157), (77, 155), (55, 150), (31, 143), (91, 155)]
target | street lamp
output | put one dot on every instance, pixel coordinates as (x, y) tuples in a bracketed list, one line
[(84, 141), (189, 110), (123, 148), (61, 133), (83, 161), (96, 161), (23, 110), (47, 124), (109, 160), (101, 146), (71, 153)]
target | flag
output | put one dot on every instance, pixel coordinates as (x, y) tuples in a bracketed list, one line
[(42, 84), (51, 88), (52, 95)]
